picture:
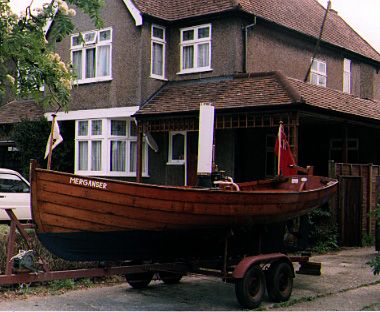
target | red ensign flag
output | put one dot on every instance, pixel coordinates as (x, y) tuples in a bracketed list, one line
[(284, 154)]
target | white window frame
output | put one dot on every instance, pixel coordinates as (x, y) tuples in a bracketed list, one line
[(318, 74), (106, 138), (347, 76), (95, 43), (172, 161), (195, 42), (161, 42)]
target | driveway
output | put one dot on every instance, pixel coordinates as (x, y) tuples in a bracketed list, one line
[(346, 283)]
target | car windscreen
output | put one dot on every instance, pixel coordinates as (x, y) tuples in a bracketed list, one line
[(10, 183)]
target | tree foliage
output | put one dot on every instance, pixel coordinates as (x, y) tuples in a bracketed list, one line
[(28, 62)]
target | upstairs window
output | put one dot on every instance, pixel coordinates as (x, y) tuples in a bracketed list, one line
[(157, 68), (318, 73), (347, 76), (196, 49), (91, 55)]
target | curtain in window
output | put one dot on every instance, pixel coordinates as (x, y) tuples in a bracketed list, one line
[(103, 64), (83, 155), (96, 155), (77, 64), (203, 55), (118, 155), (90, 63), (188, 57), (157, 59), (133, 156)]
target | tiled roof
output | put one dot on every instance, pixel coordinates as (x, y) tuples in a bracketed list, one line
[(254, 91), (258, 89), (304, 16), (334, 100), (16, 111)]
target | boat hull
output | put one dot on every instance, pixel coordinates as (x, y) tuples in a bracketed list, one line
[(82, 218), (164, 245)]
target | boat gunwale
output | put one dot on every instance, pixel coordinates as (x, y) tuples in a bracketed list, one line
[(330, 184)]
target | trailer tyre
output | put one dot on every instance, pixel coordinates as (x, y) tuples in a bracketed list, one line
[(251, 288), (139, 280), (170, 277), (279, 280)]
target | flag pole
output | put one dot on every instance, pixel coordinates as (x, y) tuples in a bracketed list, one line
[(51, 141), (279, 137)]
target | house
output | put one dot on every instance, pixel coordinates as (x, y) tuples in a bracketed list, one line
[(141, 78), (166, 58)]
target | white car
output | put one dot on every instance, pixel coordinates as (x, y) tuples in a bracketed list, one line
[(15, 194)]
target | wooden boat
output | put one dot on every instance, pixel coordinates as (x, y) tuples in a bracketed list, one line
[(86, 218)]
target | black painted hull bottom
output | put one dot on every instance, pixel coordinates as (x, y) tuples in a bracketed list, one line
[(163, 245)]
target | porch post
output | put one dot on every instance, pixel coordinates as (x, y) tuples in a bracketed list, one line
[(345, 145), (139, 148)]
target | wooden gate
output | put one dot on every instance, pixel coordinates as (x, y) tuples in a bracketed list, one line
[(353, 199), (350, 210)]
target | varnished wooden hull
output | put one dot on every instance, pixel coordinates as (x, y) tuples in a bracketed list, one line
[(64, 205)]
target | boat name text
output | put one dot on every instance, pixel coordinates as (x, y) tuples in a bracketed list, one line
[(90, 183)]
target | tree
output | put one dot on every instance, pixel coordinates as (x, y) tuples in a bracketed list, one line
[(28, 62)]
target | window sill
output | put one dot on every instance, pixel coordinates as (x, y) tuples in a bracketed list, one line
[(158, 77), (109, 174), (194, 71), (92, 80), (175, 163)]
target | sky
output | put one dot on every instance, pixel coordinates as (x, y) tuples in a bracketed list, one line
[(361, 15)]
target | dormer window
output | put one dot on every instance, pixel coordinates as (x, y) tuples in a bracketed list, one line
[(196, 49), (91, 55), (318, 73), (157, 68)]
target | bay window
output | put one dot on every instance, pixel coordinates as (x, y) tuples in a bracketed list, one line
[(91, 55), (107, 147)]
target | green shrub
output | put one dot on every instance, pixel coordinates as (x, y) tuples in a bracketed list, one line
[(324, 231)]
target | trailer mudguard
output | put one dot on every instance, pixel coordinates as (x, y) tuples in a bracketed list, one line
[(247, 262)]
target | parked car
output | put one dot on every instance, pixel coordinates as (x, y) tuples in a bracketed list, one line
[(14, 193)]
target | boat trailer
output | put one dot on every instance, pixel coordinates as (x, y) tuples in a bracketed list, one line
[(253, 276)]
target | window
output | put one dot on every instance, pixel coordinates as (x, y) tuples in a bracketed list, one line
[(91, 55), (157, 69), (107, 147), (336, 150), (347, 76), (177, 148), (318, 73), (196, 49)]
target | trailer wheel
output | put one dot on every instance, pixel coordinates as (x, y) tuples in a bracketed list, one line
[(279, 280), (251, 288), (170, 277), (139, 280)]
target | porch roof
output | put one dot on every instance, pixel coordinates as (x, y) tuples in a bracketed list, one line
[(15, 111), (253, 91)]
